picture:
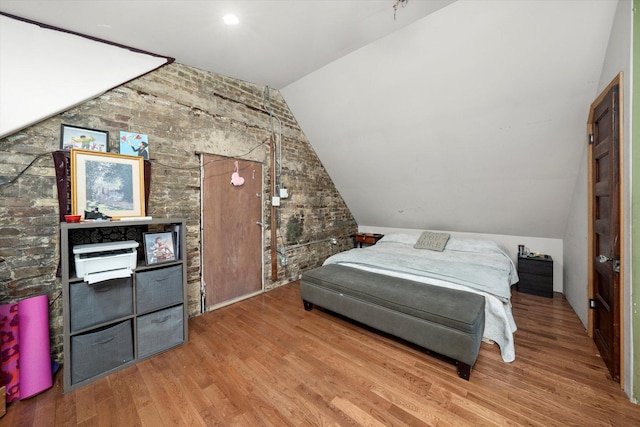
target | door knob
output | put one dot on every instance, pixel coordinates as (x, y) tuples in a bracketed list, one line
[(616, 262), (259, 223), (603, 258)]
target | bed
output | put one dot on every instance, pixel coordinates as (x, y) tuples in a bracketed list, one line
[(472, 265)]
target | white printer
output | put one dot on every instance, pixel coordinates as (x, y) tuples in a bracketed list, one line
[(97, 262)]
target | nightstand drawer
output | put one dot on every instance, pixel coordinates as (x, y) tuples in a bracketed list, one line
[(366, 238), (536, 285), (535, 266)]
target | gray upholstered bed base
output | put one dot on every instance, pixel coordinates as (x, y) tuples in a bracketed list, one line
[(447, 321)]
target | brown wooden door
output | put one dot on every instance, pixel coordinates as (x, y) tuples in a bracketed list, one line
[(606, 230), (232, 232)]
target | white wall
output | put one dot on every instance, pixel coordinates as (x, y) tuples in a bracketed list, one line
[(509, 244), (617, 59), (576, 242)]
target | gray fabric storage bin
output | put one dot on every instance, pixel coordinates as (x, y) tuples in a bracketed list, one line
[(158, 288), (97, 352), (101, 302), (160, 330)]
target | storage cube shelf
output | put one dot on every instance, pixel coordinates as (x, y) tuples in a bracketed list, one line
[(113, 323)]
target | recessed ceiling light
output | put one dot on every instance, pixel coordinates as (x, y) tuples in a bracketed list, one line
[(231, 19)]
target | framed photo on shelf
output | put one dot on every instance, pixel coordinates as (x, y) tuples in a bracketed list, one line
[(159, 247), (82, 138), (134, 144), (111, 183)]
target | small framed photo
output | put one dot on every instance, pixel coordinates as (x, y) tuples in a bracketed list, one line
[(134, 144), (159, 247), (83, 138)]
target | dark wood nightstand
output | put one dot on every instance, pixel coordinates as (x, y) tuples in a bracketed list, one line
[(366, 238), (536, 275)]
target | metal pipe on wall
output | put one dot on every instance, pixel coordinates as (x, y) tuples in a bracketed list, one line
[(274, 239)]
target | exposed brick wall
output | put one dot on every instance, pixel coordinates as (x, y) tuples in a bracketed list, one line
[(184, 111)]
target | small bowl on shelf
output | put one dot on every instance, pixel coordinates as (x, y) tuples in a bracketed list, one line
[(72, 218)]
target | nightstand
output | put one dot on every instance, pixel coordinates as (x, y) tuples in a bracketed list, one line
[(366, 238), (536, 275)]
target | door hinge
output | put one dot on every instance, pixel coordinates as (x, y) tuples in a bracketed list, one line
[(590, 139), (592, 303)]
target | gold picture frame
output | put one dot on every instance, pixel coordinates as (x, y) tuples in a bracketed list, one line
[(112, 183)]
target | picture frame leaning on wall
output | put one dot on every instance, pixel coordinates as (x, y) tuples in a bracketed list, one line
[(83, 138), (111, 183), (159, 247)]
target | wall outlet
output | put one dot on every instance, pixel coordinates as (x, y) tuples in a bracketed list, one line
[(284, 193), (275, 201), (284, 261)]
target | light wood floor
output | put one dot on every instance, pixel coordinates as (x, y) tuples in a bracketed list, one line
[(265, 361)]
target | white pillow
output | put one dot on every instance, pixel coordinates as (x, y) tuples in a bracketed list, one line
[(402, 238)]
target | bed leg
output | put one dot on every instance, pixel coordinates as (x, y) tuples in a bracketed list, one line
[(464, 370), (307, 305)]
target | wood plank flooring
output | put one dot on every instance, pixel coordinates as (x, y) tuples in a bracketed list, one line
[(267, 362)]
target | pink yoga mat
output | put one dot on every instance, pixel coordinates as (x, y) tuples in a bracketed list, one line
[(35, 357)]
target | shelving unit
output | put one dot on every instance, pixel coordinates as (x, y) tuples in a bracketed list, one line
[(112, 324)]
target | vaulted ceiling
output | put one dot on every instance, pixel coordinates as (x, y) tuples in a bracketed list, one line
[(456, 115)]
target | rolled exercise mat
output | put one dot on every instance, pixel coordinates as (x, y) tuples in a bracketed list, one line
[(9, 376), (35, 357)]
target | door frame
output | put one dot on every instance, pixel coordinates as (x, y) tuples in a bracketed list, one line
[(591, 220)]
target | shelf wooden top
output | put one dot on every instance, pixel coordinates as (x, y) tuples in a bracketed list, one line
[(119, 223)]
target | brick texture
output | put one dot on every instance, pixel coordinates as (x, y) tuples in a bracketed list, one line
[(185, 111)]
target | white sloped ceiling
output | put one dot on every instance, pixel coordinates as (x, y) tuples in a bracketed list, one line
[(470, 119), (44, 71)]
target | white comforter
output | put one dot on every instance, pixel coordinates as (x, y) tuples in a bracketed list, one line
[(477, 266)]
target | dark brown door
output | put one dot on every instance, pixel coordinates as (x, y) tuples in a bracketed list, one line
[(606, 230), (232, 232)]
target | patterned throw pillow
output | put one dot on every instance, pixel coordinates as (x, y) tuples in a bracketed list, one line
[(433, 241)]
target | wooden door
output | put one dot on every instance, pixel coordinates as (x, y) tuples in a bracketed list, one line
[(232, 230), (605, 225)]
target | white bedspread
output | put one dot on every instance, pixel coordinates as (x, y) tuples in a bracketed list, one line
[(471, 265)]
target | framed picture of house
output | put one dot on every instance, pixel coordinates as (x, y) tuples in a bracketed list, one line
[(83, 138), (111, 183), (159, 247)]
